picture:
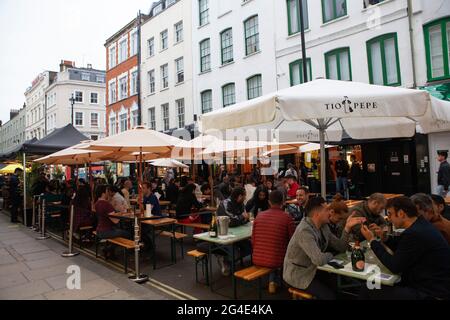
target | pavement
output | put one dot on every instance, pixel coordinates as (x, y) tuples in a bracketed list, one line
[(34, 270)]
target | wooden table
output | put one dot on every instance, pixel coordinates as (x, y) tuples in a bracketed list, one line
[(164, 203), (389, 196), (447, 200), (386, 277), (227, 245), (353, 203)]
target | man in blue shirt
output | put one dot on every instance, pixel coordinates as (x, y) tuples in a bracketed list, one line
[(150, 198)]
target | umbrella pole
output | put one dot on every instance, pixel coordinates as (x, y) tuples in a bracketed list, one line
[(140, 182), (211, 185), (323, 175), (24, 190)]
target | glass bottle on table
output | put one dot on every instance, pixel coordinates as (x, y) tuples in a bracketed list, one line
[(358, 258), (213, 230)]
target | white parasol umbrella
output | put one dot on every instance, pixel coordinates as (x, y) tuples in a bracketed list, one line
[(168, 163)]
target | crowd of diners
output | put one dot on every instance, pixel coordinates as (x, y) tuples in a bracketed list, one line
[(294, 232)]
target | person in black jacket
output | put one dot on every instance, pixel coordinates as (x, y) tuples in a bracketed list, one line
[(14, 191), (341, 167), (443, 174), (173, 191), (259, 202), (420, 254), (187, 204)]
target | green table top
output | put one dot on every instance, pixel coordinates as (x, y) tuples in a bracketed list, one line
[(386, 278), (235, 235)]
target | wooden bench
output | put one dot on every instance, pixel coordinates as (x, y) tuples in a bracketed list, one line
[(203, 258), (298, 294), (193, 225), (126, 244), (175, 237), (251, 274)]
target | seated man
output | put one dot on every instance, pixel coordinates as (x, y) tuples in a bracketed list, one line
[(308, 249), (371, 210), (421, 255), (440, 206), (426, 209), (272, 231), (150, 198), (117, 200), (297, 211)]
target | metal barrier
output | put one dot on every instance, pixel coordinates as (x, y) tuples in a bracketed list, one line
[(43, 236), (33, 218), (70, 253), (138, 277)]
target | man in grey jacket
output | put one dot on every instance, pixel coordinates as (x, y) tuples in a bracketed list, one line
[(308, 249)]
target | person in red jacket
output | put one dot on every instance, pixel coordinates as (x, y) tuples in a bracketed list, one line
[(272, 230), (293, 187)]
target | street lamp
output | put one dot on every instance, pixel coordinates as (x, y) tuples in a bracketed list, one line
[(72, 102), (302, 34)]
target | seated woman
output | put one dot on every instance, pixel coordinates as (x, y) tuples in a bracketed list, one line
[(82, 208), (259, 201), (106, 227), (186, 204)]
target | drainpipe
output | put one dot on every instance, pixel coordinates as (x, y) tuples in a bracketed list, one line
[(411, 39), (45, 114), (139, 68)]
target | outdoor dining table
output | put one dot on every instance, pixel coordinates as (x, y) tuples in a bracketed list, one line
[(137, 219), (385, 277), (389, 196), (226, 244)]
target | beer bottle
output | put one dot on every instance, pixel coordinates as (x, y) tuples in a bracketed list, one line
[(213, 232), (358, 259)]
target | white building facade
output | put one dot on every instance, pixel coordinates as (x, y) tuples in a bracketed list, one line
[(12, 133), (87, 86), (166, 66)]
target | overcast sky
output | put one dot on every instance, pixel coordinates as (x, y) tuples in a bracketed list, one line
[(36, 34)]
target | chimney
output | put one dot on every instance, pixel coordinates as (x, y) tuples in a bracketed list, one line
[(89, 66), (66, 64), (13, 113)]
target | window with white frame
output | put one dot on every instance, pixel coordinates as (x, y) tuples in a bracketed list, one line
[(226, 39), (228, 95), (134, 78), (164, 39), (158, 9), (180, 111), (134, 118), (165, 116), (152, 118), (203, 7), (78, 96), (169, 2), (251, 35), (123, 88), (123, 50), (134, 43), (151, 47), (100, 79), (179, 68), (112, 57), (165, 76), (151, 81), (85, 76), (123, 118), (94, 97), (112, 126), (254, 87), (79, 118), (206, 99), (112, 92), (205, 55), (179, 32), (94, 120)]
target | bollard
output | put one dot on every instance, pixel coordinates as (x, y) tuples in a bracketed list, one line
[(69, 254), (138, 277), (43, 236)]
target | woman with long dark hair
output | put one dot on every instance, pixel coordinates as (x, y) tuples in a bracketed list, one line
[(187, 204), (259, 202), (82, 208)]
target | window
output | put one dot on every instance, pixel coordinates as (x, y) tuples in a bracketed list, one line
[(180, 111), (94, 120), (293, 8), (226, 39), (123, 50), (133, 85), (368, 3), (123, 122), (112, 57), (179, 67), (78, 118), (134, 43), (123, 88), (164, 40), (94, 137), (85, 76), (100, 79), (165, 76), (338, 65), (152, 118), (112, 93), (165, 116), (151, 81), (205, 55), (203, 6), (78, 96), (151, 47), (179, 32), (333, 9), (251, 35), (94, 97), (228, 95), (296, 71), (134, 118), (158, 9), (437, 46), (254, 87), (169, 2), (206, 97), (112, 126), (383, 60)]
